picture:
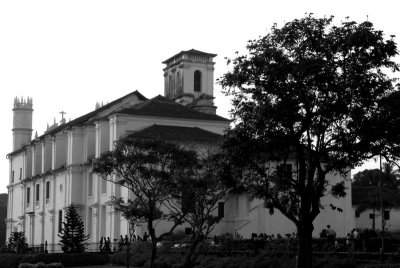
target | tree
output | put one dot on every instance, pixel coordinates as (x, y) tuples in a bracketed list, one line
[(72, 235), (314, 95), (17, 242), (366, 191), (133, 213), (371, 177), (149, 169), (200, 196)]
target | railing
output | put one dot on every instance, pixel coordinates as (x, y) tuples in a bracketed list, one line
[(231, 245)]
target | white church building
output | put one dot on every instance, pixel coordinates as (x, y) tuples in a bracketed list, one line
[(51, 171)]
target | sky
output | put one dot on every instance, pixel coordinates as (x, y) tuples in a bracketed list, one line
[(68, 55)]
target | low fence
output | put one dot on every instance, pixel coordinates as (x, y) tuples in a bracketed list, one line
[(391, 245)]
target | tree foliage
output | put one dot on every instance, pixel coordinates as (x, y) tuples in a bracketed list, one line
[(72, 235), (372, 177), (311, 94), (367, 193), (150, 169), (17, 242), (132, 212), (201, 194)]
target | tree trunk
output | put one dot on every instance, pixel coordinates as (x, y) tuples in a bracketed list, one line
[(153, 251), (304, 254), (128, 256), (189, 260), (152, 234)]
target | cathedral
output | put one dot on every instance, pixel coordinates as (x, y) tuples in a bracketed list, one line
[(53, 170)]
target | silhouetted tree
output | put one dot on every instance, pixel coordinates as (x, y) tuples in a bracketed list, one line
[(314, 95), (201, 194), (371, 177), (150, 170), (72, 235), (367, 193), (17, 242)]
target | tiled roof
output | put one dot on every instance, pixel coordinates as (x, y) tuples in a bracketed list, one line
[(175, 133), (85, 118), (163, 107), (91, 115)]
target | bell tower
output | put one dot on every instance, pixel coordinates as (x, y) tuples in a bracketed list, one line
[(189, 79), (22, 122)]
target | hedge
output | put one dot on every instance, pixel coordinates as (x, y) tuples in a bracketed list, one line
[(67, 260)]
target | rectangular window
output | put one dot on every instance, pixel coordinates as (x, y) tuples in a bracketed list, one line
[(386, 215), (90, 184), (47, 191), (37, 194), (221, 209), (371, 216), (357, 214), (20, 173), (59, 221), (12, 176), (28, 196)]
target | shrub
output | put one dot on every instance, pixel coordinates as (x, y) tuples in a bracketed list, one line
[(330, 261), (68, 260), (166, 261), (10, 260), (41, 265), (54, 265), (25, 265), (137, 260)]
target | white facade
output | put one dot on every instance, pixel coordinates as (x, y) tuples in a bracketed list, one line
[(54, 170), (365, 220)]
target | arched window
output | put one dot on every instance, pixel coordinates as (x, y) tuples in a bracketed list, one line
[(197, 81)]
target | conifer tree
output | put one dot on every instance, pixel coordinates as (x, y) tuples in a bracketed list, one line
[(17, 242), (73, 238)]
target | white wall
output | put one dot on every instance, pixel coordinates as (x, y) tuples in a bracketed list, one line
[(364, 221)]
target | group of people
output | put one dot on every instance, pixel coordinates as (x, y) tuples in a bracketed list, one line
[(353, 240), (124, 241), (328, 233), (105, 245), (264, 236)]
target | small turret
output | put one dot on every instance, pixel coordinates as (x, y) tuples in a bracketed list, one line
[(22, 122)]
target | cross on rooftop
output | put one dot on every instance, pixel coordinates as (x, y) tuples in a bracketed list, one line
[(62, 114)]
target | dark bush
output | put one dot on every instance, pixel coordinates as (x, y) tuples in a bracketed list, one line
[(39, 265), (10, 260), (166, 261), (137, 260), (332, 262), (68, 260)]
